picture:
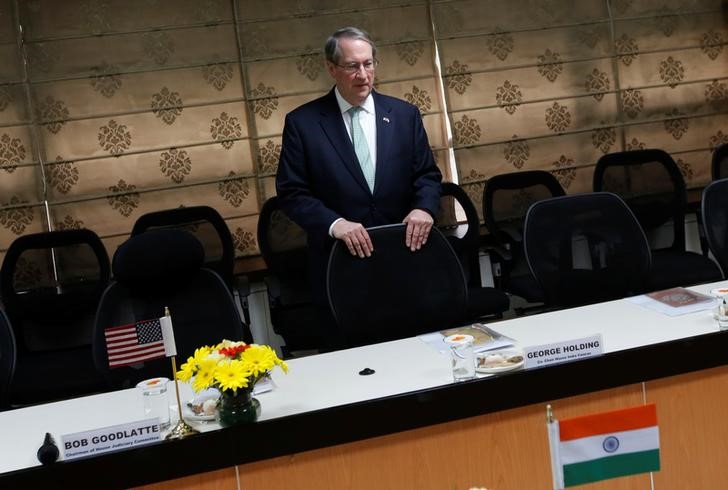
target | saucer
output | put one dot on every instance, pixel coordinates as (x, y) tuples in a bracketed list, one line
[(192, 409), (189, 414), (493, 362)]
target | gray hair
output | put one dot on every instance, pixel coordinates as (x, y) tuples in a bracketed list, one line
[(331, 49)]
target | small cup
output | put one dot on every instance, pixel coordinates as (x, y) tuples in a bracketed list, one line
[(723, 322), (718, 294), (722, 314), (156, 403), (463, 356)]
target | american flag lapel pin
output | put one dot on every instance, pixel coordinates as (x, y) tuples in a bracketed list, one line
[(385, 119)]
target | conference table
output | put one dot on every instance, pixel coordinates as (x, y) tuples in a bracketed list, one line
[(408, 425)]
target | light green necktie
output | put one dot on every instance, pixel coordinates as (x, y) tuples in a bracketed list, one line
[(361, 148)]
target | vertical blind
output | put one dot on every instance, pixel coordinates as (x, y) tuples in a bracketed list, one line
[(113, 108)]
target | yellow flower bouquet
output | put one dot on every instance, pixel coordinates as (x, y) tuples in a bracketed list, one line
[(233, 368)]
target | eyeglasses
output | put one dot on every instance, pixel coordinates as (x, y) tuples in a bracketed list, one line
[(351, 68)]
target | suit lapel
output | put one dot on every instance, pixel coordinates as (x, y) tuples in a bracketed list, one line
[(385, 129), (333, 126)]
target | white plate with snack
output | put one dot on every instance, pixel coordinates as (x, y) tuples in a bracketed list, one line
[(493, 362), (202, 407)]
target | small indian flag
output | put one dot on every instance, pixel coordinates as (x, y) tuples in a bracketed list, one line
[(604, 445)]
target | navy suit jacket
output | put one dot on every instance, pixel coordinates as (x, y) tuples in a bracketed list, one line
[(320, 180)]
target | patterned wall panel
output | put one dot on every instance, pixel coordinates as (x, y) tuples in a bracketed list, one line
[(673, 72), (527, 91), (554, 85), (139, 106)]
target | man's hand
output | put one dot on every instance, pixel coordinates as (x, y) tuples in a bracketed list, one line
[(355, 236), (419, 224)]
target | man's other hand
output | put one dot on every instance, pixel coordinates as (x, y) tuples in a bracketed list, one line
[(419, 223), (355, 236)]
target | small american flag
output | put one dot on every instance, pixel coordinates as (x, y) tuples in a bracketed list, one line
[(131, 344)]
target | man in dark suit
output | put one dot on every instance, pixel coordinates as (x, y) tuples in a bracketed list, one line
[(355, 158)]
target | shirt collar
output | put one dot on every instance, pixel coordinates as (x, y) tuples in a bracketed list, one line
[(344, 106)]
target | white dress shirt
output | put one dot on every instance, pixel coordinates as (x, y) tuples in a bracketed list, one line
[(368, 122)]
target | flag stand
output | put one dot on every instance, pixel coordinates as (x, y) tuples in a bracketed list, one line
[(182, 429), (549, 414)]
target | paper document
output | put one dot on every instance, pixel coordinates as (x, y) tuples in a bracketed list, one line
[(674, 301), (485, 338), (265, 384)]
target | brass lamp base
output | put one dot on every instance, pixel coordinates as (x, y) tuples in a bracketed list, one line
[(181, 430)]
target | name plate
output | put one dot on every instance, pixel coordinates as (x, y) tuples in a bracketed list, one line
[(571, 350), (109, 439)]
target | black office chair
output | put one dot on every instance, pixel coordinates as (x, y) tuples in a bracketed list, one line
[(651, 184), (7, 359), (206, 224), (718, 170), (396, 293), (585, 249), (464, 237), (158, 269), (50, 284), (506, 198), (715, 220), (719, 167), (283, 247)]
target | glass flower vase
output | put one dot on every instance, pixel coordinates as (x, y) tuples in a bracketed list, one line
[(237, 408)]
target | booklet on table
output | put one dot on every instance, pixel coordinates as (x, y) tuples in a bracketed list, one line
[(674, 301), (484, 337)]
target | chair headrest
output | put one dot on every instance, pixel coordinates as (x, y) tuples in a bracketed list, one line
[(157, 255)]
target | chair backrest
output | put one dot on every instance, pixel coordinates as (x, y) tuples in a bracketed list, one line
[(7, 358), (283, 245), (507, 197), (282, 242), (50, 284), (715, 220), (719, 167), (158, 269), (396, 293), (206, 224), (651, 184), (464, 236), (585, 249)]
